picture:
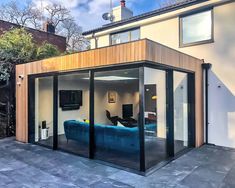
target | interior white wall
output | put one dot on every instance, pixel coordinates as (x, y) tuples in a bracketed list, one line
[(37, 123), (44, 104), (126, 94), (158, 77), (83, 112)]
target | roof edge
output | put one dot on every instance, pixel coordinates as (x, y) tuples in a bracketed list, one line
[(146, 15), (30, 28)]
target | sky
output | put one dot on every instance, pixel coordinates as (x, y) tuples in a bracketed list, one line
[(88, 13)]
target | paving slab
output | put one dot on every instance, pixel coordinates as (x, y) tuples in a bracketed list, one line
[(31, 166)]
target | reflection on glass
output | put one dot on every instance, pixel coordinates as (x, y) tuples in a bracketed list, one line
[(155, 116), (180, 111), (116, 117), (73, 113), (135, 34), (197, 27), (125, 36), (44, 111)]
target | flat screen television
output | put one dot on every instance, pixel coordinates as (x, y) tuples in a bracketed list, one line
[(70, 99), (127, 111)]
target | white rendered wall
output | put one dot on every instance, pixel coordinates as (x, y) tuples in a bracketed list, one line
[(121, 13), (221, 54)]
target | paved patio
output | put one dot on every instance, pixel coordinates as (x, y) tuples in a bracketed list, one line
[(26, 165)]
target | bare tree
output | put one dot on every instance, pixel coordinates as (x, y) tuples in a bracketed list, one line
[(36, 18), (75, 40), (30, 15), (78, 43), (19, 15), (57, 14)]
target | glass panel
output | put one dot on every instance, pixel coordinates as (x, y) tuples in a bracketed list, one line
[(120, 38), (155, 116), (44, 111), (126, 36), (116, 117), (197, 27), (115, 39), (180, 111), (135, 35), (73, 113)]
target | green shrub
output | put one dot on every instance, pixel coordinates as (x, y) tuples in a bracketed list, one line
[(47, 50)]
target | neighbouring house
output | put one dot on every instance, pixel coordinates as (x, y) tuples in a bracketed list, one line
[(137, 98), (39, 36), (6, 95)]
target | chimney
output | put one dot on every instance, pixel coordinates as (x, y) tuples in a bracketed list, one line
[(121, 12), (49, 27), (123, 3)]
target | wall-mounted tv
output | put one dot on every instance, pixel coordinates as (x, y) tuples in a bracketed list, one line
[(127, 111), (70, 99)]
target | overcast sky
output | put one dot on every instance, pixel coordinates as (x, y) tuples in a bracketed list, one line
[(88, 13)]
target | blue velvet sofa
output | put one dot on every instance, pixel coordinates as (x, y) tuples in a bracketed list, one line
[(106, 136)]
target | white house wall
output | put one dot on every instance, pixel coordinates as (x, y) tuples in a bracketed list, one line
[(220, 53)]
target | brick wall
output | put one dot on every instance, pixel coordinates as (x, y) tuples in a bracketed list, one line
[(38, 36)]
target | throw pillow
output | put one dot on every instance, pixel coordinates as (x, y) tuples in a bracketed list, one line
[(119, 124), (86, 120)]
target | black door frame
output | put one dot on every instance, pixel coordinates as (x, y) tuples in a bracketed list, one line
[(191, 110), (141, 66), (31, 108), (170, 112), (55, 112), (141, 119)]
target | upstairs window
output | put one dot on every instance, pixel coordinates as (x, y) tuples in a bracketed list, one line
[(126, 36), (196, 29)]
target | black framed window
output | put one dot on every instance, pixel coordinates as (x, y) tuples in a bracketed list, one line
[(196, 28), (181, 111), (116, 114), (44, 120), (73, 113), (155, 126), (125, 36), (130, 115)]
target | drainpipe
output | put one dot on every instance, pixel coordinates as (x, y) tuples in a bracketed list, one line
[(96, 40), (206, 67)]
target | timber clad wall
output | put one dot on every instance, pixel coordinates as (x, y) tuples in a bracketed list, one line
[(138, 51), (38, 36)]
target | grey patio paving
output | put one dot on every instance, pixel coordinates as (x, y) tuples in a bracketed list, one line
[(26, 165)]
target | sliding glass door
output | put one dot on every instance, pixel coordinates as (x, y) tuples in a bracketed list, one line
[(116, 107), (73, 113), (44, 124), (155, 130), (135, 118), (181, 117)]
